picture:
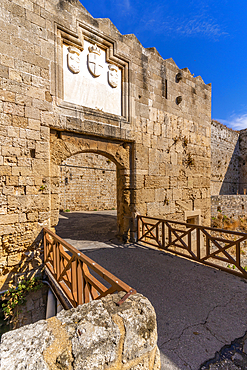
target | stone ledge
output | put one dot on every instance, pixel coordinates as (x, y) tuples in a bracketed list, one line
[(97, 335)]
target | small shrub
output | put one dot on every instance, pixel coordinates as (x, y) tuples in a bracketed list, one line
[(17, 296)]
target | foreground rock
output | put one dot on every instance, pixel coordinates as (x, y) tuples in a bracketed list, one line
[(97, 335)]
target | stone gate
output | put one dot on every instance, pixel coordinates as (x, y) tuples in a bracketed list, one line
[(64, 145), (71, 84)]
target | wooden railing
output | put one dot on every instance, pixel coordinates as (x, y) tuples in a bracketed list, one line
[(71, 270), (220, 248)]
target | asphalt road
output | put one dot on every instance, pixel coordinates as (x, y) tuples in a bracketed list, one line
[(199, 309)]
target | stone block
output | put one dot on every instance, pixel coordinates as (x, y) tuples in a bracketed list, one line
[(33, 134), (8, 190), (5, 170), (19, 121), (153, 209), (153, 163), (121, 336), (14, 109), (8, 151), (33, 124), (156, 182), (31, 112), (7, 96), (4, 71)]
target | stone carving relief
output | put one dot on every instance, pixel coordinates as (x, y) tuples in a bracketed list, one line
[(90, 79), (73, 59), (113, 75), (94, 63)]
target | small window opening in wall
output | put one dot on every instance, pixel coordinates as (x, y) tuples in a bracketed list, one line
[(66, 180), (219, 209), (166, 88), (103, 171), (193, 220), (242, 206), (32, 153), (59, 134)]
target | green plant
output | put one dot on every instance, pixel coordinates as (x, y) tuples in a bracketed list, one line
[(43, 187), (213, 218), (113, 209), (17, 296), (95, 209), (67, 210)]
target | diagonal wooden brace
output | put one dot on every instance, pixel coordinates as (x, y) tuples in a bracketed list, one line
[(131, 291)]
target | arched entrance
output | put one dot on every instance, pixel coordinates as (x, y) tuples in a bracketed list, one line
[(63, 145), (88, 182)]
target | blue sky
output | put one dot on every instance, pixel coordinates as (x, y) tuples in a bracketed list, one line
[(207, 36)]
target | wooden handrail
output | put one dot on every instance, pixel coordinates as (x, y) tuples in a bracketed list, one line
[(70, 269), (218, 248)]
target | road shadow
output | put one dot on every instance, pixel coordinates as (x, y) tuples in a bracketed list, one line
[(88, 226)]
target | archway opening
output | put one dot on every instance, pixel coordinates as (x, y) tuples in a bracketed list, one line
[(88, 199)]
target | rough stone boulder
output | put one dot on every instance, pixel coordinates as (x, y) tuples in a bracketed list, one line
[(95, 336)]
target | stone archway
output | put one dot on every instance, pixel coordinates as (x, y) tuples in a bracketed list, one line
[(65, 144)]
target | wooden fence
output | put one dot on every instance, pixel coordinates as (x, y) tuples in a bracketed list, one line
[(220, 248), (71, 270)]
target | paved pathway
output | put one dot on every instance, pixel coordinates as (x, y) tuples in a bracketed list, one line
[(199, 309)]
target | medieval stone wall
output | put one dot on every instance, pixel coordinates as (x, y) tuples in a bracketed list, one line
[(96, 335), (243, 162), (228, 166), (150, 118), (233, 206), (224, 160), (88, 182)]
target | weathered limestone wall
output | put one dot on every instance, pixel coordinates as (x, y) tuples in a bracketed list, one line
[(88, 182), (93, 336), (229, 205), (160, 143), (225, 154), (243, 162), (229, 171)]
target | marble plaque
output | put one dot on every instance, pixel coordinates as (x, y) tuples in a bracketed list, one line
[(90, 81)]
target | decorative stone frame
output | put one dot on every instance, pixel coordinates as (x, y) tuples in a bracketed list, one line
[(109, 45)]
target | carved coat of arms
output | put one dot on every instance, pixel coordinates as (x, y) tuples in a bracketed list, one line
[(94, 63), (73, 59), (113, 75)]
